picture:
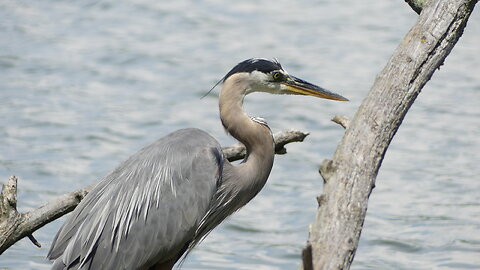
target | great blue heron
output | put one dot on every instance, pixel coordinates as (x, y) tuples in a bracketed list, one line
[(162, 201)]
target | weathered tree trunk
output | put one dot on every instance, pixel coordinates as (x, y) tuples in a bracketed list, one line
[(350, 176), (15, 226)]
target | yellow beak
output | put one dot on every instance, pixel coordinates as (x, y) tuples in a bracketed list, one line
[(300, 87)]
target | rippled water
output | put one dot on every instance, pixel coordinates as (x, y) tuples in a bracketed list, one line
[(84, 84)]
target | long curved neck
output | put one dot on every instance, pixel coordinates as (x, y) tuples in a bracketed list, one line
[(249, 177)]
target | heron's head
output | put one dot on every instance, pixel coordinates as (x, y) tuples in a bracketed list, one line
[(262, 75)]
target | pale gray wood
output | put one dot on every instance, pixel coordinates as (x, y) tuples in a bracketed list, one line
[(350, 176), (342, 120), (237, 151), (15, 226)]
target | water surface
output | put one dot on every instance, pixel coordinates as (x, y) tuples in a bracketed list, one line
[(84, 84)]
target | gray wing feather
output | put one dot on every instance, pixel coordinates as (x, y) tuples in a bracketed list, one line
[(145, 210)]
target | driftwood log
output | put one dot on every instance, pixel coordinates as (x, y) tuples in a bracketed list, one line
[(15, 226), (349, 176)]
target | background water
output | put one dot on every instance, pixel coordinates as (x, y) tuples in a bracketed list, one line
[(84, 84)]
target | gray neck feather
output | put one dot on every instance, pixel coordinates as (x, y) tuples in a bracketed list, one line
[(248, 178)]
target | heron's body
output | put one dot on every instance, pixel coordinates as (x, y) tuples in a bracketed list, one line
[(163, 200), (154, 189)]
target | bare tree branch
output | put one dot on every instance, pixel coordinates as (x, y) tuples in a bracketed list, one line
[(341, 120), (350, 176), (237, 151), (15, 226)]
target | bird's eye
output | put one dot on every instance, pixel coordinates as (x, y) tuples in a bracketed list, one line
[(277, 76)]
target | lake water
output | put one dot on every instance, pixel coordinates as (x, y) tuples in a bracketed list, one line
[(85, 84)]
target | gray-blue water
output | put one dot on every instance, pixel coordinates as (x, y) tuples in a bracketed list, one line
[(84, 84)]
